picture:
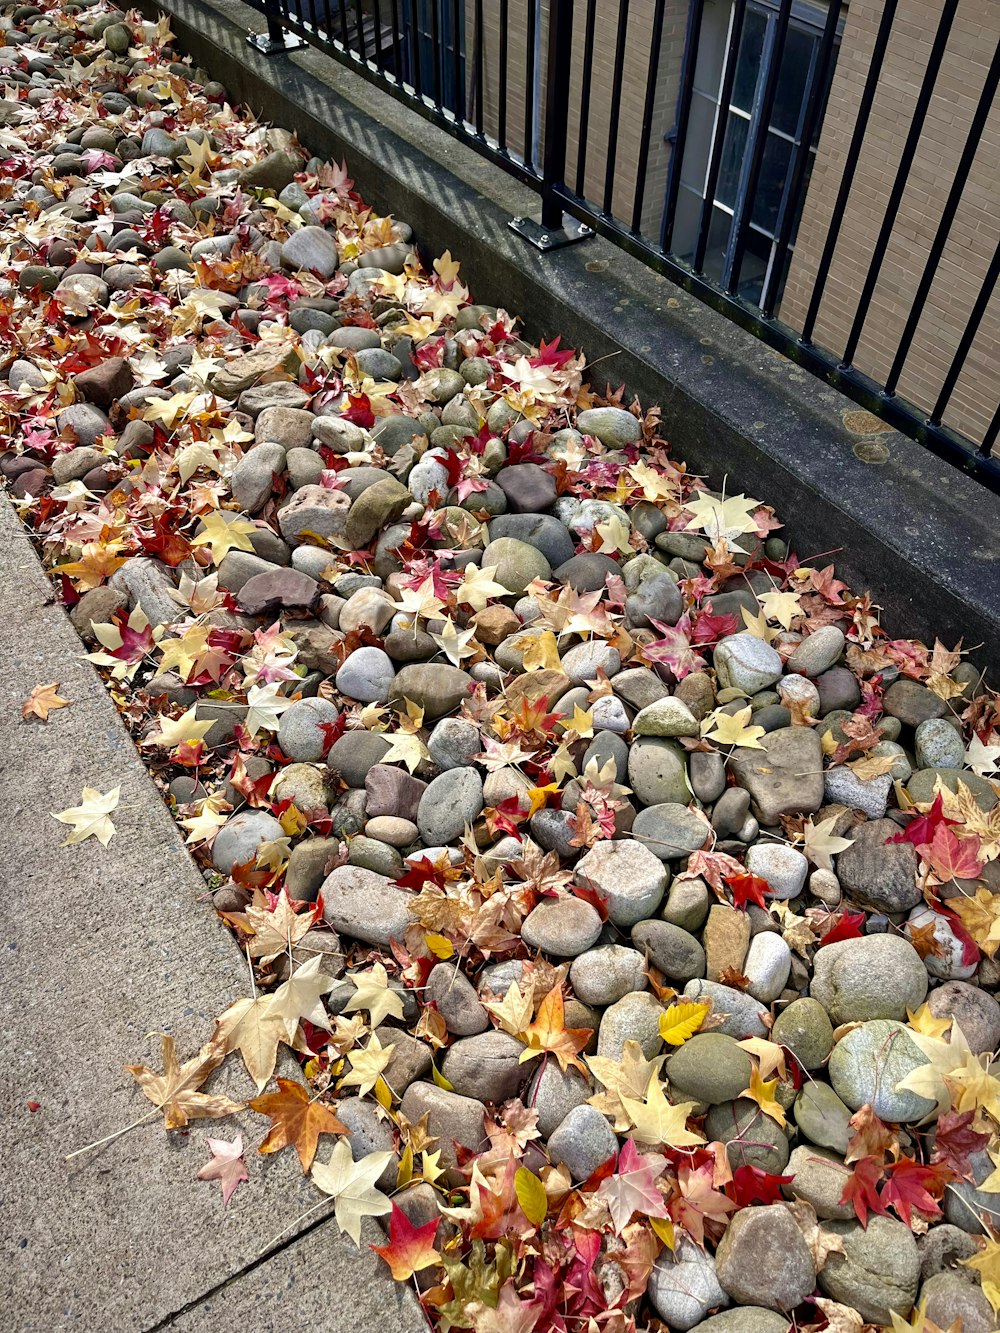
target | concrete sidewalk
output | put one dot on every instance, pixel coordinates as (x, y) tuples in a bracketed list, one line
[(103, 947)]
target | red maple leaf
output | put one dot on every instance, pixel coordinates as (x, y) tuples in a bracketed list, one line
[(955, 1142), (847, 928), (410, 1248), (752, 1185), (951, 857), (861, 1190), (920, 830), (710, 628), (360, 411), (910, 1185), (747, 888)]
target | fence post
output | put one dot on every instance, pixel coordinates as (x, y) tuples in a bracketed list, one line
[(276, 40), (555, 228)]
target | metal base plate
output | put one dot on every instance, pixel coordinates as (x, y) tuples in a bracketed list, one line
[(547, 238), (267, 46)]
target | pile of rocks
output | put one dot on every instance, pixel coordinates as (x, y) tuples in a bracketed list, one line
[(412, 619)]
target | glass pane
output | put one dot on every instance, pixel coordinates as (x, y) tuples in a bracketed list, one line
[(712, 45), (755, 260), (718, 240), (770, 187), (748, 60), (686, 223), (792, 80), (699, 141), (733, 154)]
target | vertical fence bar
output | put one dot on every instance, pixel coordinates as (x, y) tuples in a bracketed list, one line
[(902, 176), (344, 39), (436, 50), (983, 108), (715, 162), (530, 73), (397, 56), (967, 339), (585, 86), (377, 53), (689, 64), (990, 438), (502, 81), (413, 50), (359, 28), (652, 76), (850, 166), (478, 67), (814, 109), (741, 222), (457, 73), (560, 46), (616, 106)]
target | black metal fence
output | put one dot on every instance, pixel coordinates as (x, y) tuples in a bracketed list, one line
[(570, 97)]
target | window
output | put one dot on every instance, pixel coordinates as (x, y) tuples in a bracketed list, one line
[(440, 33), (740, 121)]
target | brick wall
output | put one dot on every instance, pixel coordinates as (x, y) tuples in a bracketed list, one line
[(633, 85), (974, 234)]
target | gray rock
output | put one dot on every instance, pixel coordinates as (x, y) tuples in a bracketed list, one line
[(822, 1117), (238, 840), (451, 1119), (879, 875), (604, 975), (666, 717), (278, 590), (457, 1001), (410, 1060), (582, 1142), (878, 1272), (784, 868), (912, 702), (148, 585), (953, 1298), (842, 786), (453, 742), (673, 951), (974, 1009), (436, 687), (553, 1094), (366, 675), (818, 651), (767, 966), (763, 1259), (314, 511), (312, 249), (486, 1066), (282, 423), (785, 777), (74, 464), (966, 1205), (304, 785), (687, 904), (252, 481), (517, 563), (583, 662), (744, 662), (307, 867), (639, 686), (452, 800), (707, 775), (563, 927), (922, 783), (868, 1063), (942, 1248), (731, 811), (751, 1137), (376, 506), (542, 531), (365, 905), (613, 426), (657, 772), (354, 754), (820, 1177), (878, 976), (628, 876), (709, 1067), (300, 729), (670, 830), (805, 1028), (744, 1319), (742, 1015), (634, 1017), (683, 1286), (937, 744)]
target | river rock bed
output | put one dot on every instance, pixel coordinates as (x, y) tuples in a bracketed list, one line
[(668, 878)]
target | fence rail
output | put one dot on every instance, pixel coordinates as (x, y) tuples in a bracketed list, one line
[(561, 91)]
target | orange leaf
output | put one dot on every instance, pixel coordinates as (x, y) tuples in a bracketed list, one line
[(42, 700), (296, 1121), (410, 1248), (549, 1034)]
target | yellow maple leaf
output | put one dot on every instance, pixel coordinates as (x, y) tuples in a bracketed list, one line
[(981, 918), (732, 729), (222, 537), (762, 1093), (656, 1121), (539, 652)]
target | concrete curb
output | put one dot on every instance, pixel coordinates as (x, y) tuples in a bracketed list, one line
[(104, 947), (922, 536)]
